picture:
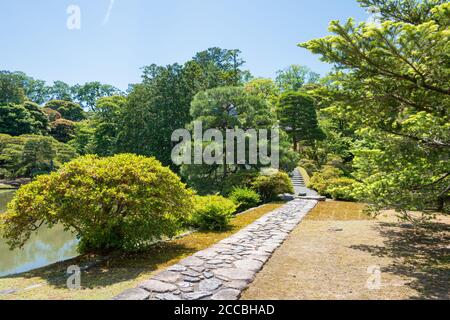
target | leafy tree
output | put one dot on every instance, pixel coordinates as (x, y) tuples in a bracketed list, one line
[(265, 89), (60, 91), (62, 130), (108, 118), (86, 95), (295, 77), (221, 67), (83, 141), (392, 83), (223, 109), (28, 155), (11, 89), (297, 116), (116, 203), (26, 118), (68, 110)]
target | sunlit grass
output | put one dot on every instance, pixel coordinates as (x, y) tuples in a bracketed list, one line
[(120, 272), (338, 210)]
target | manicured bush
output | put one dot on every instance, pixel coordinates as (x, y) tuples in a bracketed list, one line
[(118, 203), (342, 188), (245, 198), (331, 182), (270, 187), (320, 180), (212, 213)]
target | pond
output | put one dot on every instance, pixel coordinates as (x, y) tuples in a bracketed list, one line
[(45, 247)]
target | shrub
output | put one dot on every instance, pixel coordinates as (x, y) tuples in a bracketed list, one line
[(270, 187), (245, 198), (330, 182), (63, 130), (320, 180), (240, 179), (342, 188), (212, 213), (118, 203)]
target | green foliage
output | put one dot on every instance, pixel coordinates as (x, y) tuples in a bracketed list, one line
[(269, 187), (83, 142), (295, 77), (62, 130), (68, 110), (119, 203), (27, 156), (297, 116), (52, 115), (391, 86), (212, 213), (225, 108), (88, 94), (11, 89), (26, 118), (245, 198), (330, 182)]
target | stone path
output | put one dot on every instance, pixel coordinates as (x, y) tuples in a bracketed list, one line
[(300, 187), (224, 270)]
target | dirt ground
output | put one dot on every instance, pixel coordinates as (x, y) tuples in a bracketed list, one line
[(338, 253)]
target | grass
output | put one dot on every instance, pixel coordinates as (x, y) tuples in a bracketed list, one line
[(120, 272), (328, 255), (337, 210)]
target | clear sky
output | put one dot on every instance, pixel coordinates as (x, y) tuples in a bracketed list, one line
[(112, 49)]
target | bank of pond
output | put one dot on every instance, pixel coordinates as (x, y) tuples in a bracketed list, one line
[(46, 246)]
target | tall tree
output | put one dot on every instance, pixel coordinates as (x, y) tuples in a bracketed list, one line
[(26, 118), (294, 77), (392, 82), (298, 117), (11, 89), (87, 94)]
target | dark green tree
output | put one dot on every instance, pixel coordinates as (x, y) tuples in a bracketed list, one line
[(298, 117), (68, 110)]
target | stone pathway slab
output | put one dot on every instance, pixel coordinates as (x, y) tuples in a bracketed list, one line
[(224, 270)]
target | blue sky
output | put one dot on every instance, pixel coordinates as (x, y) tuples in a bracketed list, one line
[(35, 38)]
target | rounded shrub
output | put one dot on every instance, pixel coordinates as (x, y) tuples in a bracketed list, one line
[(120, 203), (245, 198), (212, 213), (271, 186)]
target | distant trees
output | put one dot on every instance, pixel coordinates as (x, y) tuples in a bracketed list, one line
[(29, 155), (294, 77), (67, 109), (11, 90), (161, 103), (25, 118), (297, 116)]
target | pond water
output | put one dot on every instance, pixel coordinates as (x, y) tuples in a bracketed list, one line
[(45, 247)]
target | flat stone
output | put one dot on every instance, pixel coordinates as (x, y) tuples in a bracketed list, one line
[(133, 294), (209, 285), (249, 264), (235, 274), (227, 294), (236, 284), (167, 296), (157, 286), (177, 268), (215, 261), (192, 261), (191, 273), (187, 289), (198, 269), (208, 275), (192, 279), (168, 276), (197, 295)]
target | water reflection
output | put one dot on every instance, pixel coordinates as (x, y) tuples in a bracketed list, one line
[(45, 247)]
